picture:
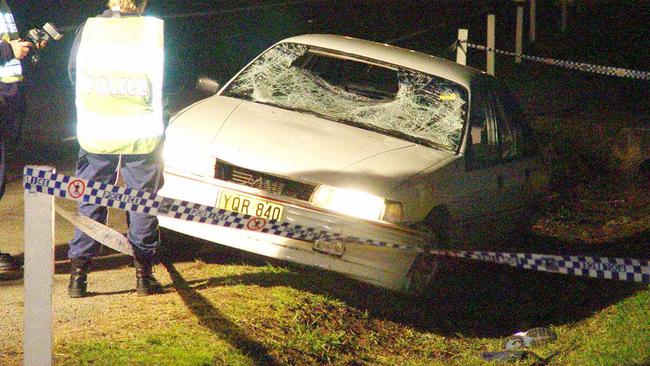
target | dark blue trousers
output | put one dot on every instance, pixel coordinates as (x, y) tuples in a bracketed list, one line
[(142, 172)]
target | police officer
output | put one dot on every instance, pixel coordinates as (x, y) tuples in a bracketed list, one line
[(117, 67), (12, 50)]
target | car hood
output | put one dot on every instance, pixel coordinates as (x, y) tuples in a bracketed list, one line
[(302, 146)]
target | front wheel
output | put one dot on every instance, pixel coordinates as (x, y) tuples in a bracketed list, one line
[(422, 276)]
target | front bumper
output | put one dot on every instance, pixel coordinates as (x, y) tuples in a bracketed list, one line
[(383, 266)]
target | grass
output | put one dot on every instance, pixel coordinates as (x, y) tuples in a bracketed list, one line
[(257, 313), (618, 335), (177, 345)]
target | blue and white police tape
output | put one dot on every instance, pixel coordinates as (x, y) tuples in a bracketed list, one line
[(102, 233), (122, 198), (581, 66), (127, 199), (623, 269)]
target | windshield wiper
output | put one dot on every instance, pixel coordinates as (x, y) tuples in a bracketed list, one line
[(411, 138)]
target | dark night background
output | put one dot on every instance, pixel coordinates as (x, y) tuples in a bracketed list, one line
[(218, 44), (578, 113)]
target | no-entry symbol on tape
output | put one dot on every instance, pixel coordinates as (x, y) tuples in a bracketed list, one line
[(256, 224), (76, 188)]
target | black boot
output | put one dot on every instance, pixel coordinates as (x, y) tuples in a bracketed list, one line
[(78, 277), (146, 283), (7, 263)]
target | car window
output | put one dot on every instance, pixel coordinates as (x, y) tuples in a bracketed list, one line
[(496, 132), (483, 148), (376, 82), (368, 94), (509, 134), (522, 133)]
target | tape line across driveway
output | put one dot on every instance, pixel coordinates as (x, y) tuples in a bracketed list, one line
[(580, 66), (108, 195), (623, 269), (102, 233)]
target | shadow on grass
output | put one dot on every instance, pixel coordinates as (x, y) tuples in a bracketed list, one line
[(216, 322), (472, 299), (194, 301)]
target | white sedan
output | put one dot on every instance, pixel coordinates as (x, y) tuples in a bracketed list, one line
[(369, 143)]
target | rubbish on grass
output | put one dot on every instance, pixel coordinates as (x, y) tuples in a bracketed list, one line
[(531, 338)]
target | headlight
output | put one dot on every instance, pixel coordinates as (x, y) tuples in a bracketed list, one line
[(349, 202), (187, 160), (356, 203)]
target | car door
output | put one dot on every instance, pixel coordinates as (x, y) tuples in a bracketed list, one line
[(482, 180), (493, 184), (518, 157)]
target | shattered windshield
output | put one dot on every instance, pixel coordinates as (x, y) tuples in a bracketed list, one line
[(405, 103)]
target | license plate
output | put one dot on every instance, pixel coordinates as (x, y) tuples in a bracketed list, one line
[(336, 248), (249, 205)]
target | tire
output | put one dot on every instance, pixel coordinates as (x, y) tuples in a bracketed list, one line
[(423, 274)]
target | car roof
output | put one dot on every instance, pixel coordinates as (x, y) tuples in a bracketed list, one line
[(414, 60)]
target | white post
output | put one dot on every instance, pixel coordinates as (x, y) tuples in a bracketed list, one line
[(563, 20), (532, 22), (489, 62), (461, 49), (519, 35), (38, 339)]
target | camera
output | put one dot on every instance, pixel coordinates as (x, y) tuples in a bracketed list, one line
[(49, 31)]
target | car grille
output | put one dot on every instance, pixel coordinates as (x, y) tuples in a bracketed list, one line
[(265, 182)]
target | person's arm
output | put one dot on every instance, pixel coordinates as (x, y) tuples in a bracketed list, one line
[(14, 49), (21, 48), (6, 52), (72, 61)]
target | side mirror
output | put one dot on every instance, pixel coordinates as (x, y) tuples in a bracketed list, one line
[(207, 85)]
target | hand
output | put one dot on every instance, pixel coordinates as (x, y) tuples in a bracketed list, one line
[(41, 44), (21, 48)]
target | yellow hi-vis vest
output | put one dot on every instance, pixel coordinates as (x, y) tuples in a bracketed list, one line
[(11, 71), (119, 85)]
